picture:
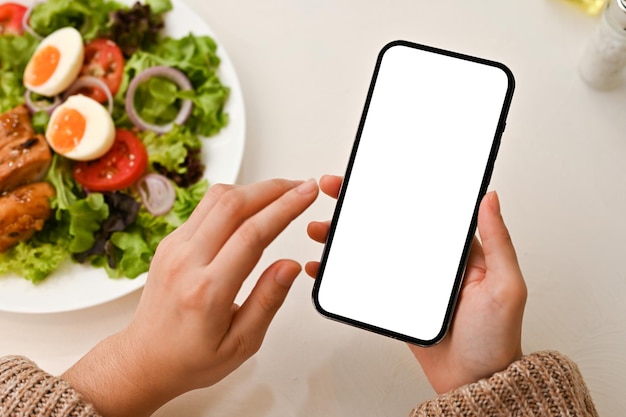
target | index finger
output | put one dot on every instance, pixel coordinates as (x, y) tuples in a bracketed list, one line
[(213, 223), (241, 252)]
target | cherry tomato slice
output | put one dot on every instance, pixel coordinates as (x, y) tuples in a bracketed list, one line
[(119, 168), (11, 15), (104, 60)]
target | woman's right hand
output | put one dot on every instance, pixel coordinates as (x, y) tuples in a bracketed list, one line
[(485, 334)]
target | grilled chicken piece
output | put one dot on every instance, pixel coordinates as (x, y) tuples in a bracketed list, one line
[(23, 211), (23, 160), (24, 156), (15, 124)]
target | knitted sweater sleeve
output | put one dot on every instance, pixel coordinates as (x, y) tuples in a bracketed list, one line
[(541, 384), (26, 390)]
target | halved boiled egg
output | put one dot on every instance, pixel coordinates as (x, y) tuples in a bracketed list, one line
[(55, 63), (80, 129)]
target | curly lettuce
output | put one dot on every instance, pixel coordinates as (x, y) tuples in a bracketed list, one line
[(15, 52), (196, 56), (89, 17)]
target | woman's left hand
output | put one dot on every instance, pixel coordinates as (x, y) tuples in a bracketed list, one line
[(188, 332)]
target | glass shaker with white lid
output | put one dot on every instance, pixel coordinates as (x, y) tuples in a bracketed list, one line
[(604, 57)]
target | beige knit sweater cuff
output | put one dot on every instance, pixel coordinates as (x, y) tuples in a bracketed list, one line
[(26, 390), (541, 384)]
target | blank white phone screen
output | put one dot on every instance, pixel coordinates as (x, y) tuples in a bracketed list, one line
[(407, 207)]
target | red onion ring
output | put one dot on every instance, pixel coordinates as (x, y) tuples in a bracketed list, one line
[(89, 81), (34, 107), (172, 74), (26, 20), (157, 193)]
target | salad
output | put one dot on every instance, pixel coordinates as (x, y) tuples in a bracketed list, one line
[(163, 97)]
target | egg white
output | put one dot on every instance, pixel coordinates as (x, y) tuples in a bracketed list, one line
[(99, 128), (70, 45)]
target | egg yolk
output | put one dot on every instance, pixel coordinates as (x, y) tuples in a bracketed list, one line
[(67, 130), (43, 65)]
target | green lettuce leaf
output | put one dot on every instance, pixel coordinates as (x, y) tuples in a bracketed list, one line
[(159, 6), (15, 51), (40, 121), (188, 198), (90, 17), (196, 56), (85, 217), (171, 148), (135, 252), (79, 216), (67, 192), (34, 260)]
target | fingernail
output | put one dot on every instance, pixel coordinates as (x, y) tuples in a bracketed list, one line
[(495, 201), (307, 187)]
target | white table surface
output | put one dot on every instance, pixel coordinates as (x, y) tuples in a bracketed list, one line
[(304, 68)]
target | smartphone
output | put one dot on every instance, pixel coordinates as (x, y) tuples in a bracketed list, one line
[(403, 225)]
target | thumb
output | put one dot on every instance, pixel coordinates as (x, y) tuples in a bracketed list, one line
[(500, 256), (256, 313)]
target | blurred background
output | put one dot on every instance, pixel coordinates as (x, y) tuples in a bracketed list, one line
[(304, 68)]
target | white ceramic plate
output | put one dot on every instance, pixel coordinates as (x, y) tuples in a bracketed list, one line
[(77, 286)]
